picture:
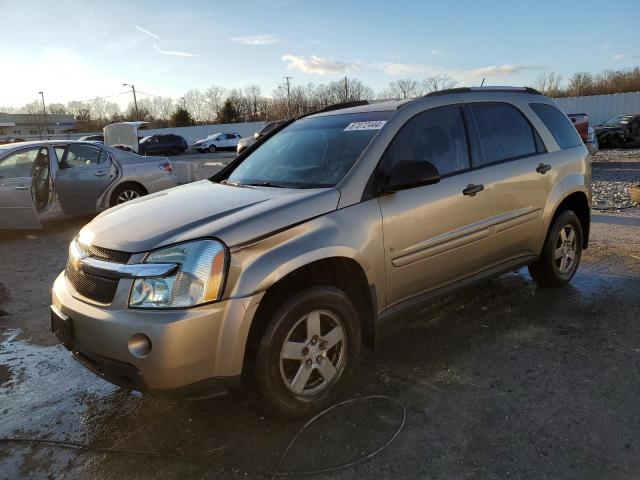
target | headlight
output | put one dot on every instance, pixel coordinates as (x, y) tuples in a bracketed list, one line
[(198, 280)]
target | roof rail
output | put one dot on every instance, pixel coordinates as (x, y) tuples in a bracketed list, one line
[(448, 91), (339, 106)]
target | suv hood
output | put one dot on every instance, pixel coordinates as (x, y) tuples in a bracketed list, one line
[(205, 209)]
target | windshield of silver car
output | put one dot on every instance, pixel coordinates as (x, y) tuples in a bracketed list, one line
[(312, 152)]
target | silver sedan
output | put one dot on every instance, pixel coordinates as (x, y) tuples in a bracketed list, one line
[(51, 179)]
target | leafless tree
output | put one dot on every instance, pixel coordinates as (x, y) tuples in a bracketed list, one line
[(403, 88), (549, 83), (56, 109), (194, 101), (113, 112), (436, 82), (215, 97), (162, 108), (80, 110), (98, 108)]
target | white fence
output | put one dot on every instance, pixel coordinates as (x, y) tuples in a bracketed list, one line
[(601, 108), (190, 134)]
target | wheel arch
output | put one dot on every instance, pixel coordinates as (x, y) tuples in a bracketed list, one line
[(578, 202), (122, 184), (340, 272)]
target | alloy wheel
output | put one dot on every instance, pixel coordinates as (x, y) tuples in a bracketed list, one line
[(566, 249), (313, 354), (127, 195)]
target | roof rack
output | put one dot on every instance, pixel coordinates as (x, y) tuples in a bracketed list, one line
[(339, 106), (448, 91)]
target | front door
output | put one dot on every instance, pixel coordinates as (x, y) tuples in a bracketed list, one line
[(435, 234), (17, 208), (84, 174)]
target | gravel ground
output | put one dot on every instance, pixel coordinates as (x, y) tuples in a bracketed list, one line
[(614, 172)]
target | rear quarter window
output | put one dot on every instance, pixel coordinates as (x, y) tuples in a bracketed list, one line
[(558, 125)]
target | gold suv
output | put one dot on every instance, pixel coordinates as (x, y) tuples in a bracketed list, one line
[(275, 271)]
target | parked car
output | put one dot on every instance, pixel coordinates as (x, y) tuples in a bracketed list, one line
[(51, 179), (166, 144), (620, 131), (248, 141), (581, 123), (11, 140), (592, 141), (217, 141), (276, 270), (92, 138)]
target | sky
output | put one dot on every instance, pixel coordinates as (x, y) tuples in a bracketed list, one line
[(75, 50)]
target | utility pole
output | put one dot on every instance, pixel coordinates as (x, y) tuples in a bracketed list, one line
[(346, 89), (135, 100), (44, 114), (288, 97)]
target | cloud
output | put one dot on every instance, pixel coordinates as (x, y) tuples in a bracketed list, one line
[(493, 70), (146, 32), (320, 66), (435, 52), (175, 53), (406, 69), (605, 46), (266, 39), (618, 56)]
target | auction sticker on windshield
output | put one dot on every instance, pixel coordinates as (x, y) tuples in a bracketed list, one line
[(370, 125)]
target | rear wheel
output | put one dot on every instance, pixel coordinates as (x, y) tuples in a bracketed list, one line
[(126, 192), (307, 352), (561, 252)]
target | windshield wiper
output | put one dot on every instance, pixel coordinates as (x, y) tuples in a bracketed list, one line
[(265, 184)]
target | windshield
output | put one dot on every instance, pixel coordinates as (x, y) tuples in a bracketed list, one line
[(617, 120), (145, 139), (310, 153), (213, 135)]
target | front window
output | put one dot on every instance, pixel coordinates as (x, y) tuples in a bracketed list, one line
[(311, 152), (617, 121)]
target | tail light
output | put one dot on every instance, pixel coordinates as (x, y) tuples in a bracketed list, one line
[(166, 166)]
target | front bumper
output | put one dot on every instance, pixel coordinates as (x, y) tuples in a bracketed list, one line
[(194, 352)]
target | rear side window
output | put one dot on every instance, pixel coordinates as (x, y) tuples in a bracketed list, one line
[(505, 133), (558, 124), (437, 136)]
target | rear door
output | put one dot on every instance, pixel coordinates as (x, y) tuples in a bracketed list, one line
[(433, 234), (518, 175), (84, 174), (17, 209)]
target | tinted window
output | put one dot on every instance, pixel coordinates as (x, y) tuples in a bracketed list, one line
[(504, 132), (558, 124), (79, 155), (435, 135), (18, 164)]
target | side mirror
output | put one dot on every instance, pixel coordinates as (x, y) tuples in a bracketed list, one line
[(410, 174)]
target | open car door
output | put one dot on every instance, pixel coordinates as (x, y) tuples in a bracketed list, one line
[(17, 209), (83, 175)]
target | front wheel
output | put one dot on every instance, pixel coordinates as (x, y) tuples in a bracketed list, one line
[(307, 352), (212, 149), (561, 252)]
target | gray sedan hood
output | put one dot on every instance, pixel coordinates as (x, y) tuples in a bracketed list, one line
[(205, 209)]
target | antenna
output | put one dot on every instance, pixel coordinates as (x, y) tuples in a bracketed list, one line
[(483, 78)]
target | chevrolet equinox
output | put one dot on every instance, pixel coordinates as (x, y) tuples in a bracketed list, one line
[(275, 271)]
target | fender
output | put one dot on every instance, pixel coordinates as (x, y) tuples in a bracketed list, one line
[(354, 232)]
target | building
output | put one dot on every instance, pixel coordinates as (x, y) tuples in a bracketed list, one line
[(23, 125)]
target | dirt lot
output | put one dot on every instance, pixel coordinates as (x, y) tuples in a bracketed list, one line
[(502, 380)]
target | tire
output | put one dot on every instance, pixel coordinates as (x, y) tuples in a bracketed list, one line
[(296, 383), (212, 149), (616, 142), (175, 151), (561, 253), (126, 192)]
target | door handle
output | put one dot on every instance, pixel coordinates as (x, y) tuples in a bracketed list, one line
[(22, 187), (543, 168), (472, 189), (101, 174)]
